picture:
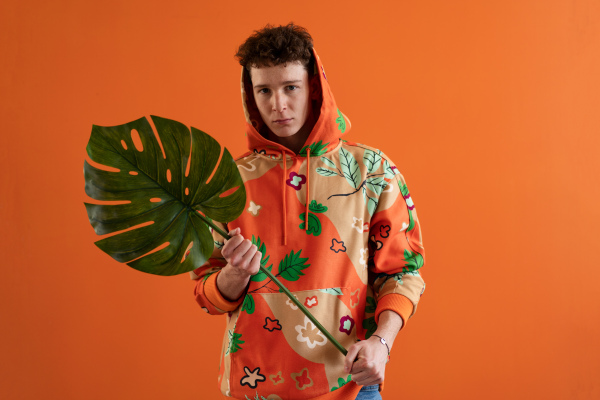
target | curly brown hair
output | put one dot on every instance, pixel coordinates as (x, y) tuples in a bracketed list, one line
[(275, 45)]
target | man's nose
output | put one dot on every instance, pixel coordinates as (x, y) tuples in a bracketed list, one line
[(279, 103)]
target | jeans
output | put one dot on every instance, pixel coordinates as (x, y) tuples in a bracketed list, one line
[(369, 393)]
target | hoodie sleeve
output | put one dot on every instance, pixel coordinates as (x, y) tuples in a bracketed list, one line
[(206, 292), (395, 249)]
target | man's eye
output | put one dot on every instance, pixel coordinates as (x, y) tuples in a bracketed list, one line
[(263, 91), (292, 87)]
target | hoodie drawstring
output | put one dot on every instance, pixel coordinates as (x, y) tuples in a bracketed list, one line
[(283, 185), (284, 212), (307, 186)]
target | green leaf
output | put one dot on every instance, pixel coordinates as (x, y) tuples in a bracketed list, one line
[(341, 382), (371, 305), (333, 291), (372, 160), (328, 162), (350, 168), (234, 341), (326, 172), (314, 225), (387, 168), (371, 205), (317, 207), (376, 184), (261, 276), (414, 261), (248, 304), (159, 193), (290, 268), (370, 326), (403, 189), (341, 121), (316, 149)]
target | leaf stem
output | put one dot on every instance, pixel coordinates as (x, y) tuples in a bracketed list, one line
[(285, 290)]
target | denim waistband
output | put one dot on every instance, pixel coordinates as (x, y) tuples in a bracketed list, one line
[(370, 388)]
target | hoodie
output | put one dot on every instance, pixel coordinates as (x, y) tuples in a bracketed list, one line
[(337, 225)]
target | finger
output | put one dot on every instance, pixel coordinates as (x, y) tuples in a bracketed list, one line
[(247, 257), (229, 248), (237, 258), (233, 232), (351, 357), (254, 266)]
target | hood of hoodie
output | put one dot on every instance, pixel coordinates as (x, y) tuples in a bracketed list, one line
[(331, 123)]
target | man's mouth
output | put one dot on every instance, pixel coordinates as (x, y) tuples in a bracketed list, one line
[(283, 121)]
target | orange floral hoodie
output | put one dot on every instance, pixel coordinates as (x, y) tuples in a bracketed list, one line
[(336, 224)]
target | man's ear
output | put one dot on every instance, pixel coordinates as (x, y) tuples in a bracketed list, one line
[(315, 87)]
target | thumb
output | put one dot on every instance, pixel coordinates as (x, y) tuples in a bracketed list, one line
[(351, 357)]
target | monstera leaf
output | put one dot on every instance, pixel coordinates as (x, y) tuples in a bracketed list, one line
[(164, 202)]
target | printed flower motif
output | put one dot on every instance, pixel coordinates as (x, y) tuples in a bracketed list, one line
[(310, 302), (272, 324), (310, 334), (302, 379), (291, 304), (252, 377), (346, 324), (277, 378), (358, 224), (395, 169), (409, 202), (354, 298), (337, 246), (254, 208), (296, 181), (364, 255), (404, 226), (384, 231)]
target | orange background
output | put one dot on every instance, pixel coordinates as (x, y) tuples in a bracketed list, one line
[(490, 110)]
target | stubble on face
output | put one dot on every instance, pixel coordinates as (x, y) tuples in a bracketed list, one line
[(282, 95)]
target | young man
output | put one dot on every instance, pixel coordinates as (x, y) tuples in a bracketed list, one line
[(333, 220)]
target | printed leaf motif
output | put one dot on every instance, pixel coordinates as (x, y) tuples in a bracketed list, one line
[(342, 382), (317, 207), (387, 168), (314, 225), (372, 160), (316, 149), (404, 189), (234, 341), (341, 121), (248, 304), (370, 326), (326, 172), (290, 268), (350, 168), (261, 276), (328, 162), (414, 261), (371, 205), (371, 305), (334, 291), (376, 184)]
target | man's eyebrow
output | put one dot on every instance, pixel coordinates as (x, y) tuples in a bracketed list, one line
[(282, 83)]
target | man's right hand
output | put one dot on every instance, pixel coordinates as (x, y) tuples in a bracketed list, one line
[(243, 261)]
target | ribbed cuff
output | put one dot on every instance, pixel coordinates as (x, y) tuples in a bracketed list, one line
[(216, 298), (397, 303)]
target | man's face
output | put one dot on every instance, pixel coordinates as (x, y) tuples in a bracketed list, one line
[(282, 95)]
